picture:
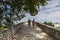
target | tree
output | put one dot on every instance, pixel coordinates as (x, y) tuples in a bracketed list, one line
[(30, 6), (49, 23), (18, 8)]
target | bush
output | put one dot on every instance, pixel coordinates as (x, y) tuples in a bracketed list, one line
[(48, 23)]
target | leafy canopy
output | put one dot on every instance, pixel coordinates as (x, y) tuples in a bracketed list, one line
[(16, 7), (30, 6)]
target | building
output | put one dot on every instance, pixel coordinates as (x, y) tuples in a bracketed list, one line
[(57, 24)]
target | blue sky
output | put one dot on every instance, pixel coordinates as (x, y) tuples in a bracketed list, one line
[(49, 12)]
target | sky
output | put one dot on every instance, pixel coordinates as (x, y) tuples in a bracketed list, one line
[(49, 12)]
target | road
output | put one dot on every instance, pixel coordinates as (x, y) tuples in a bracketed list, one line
[(30, 33)]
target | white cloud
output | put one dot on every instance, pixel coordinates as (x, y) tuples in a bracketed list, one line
[(50, 12)]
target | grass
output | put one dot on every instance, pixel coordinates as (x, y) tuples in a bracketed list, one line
[(58, 28), (2, 28)]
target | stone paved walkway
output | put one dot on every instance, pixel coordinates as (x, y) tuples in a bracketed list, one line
[(27, 33)]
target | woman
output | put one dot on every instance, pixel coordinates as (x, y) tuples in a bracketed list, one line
[(29, 24), (33, 23)]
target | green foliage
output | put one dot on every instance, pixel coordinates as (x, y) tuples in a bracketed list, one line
[(19, 6), (1, 28), (29, 5), (49, 23)]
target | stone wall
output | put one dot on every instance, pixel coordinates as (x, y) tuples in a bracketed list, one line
[(55, 34), (8, 33)]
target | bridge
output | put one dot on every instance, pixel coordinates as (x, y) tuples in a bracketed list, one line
[(23, 32)]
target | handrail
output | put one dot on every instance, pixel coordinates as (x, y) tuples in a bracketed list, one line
[(54, 33), (8, 33)]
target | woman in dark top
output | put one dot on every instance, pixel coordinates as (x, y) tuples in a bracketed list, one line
[(29, 22)]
